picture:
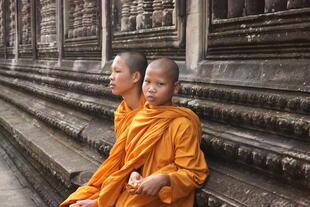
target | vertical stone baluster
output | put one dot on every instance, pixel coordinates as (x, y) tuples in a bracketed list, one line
[(125, 15), (89, 18), (1, 24), (295, 4), (71, 19), (133, 15), (11, 26), (275, 5), (157, 17), (168, 6), (48, 21), (145, 12), (77, 18), (219, 9), (235, 8), (253, 7), (25, 22)]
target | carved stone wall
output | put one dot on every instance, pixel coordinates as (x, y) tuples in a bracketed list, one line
[(47, 45), (25, 35), (11, 28), (82, 36), (156, 27)]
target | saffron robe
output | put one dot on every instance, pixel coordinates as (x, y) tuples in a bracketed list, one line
[(184, 161), (123, 117), (166, 140)]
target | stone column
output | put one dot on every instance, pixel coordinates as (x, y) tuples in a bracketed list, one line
[(168, 6), (48, 21), (33, 28), (78, 18), (1, 23), (59, 23), (89, 22), (25, 22), (106, 34), (12, 23), (125, 15), (133, 15), (157, 17), (195, 34), (145, 12)]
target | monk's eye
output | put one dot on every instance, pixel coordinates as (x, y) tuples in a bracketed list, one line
[(161, 84), (146, 81)]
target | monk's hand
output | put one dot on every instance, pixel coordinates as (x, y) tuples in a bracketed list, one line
[(83, 203), (135, 179), (151, 185)]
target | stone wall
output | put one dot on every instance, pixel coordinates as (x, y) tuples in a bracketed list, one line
[(244, 70)]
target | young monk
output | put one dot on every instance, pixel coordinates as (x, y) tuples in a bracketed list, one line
[(163, 163), (128, 69)]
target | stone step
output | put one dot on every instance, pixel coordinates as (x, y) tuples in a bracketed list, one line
[(296, 126), (231, 185), (285, 158), (70, 85), (293, 102), (96, 132), (47, 71), (63, 158), (33, 177)]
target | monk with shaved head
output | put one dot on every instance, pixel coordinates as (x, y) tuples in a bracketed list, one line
[(160, 162)]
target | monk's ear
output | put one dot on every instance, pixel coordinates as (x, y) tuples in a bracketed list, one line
[(177, 87), (136, 77)]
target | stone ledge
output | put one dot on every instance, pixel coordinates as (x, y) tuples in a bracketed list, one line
[(278, 156), (63, 161)]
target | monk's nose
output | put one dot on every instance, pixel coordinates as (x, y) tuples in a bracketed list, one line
[(152, 89), (111, 76)]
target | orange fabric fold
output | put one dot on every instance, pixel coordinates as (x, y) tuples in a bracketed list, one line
[(143, 145), (123, 117)]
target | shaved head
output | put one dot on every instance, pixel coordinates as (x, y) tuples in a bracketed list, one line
[(168, 65), (135, 61)]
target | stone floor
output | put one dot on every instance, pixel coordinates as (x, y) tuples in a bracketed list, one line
[(14, 189)]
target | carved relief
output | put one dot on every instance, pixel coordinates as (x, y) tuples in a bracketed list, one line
[(48, 21), (25, 22), (83, 19), (11, 23), (1, 23), (153, 24), (82, 28)]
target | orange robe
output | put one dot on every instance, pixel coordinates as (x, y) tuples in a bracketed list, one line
[(123, 117), (161, 139)]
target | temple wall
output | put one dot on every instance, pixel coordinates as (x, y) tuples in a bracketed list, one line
[(244, 70)]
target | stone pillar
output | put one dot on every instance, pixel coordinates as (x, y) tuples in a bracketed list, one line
[(78, 18), (70, 19), (195, 33), (89, 22), (1, 23), (59, 23), (144, 17), (125, 15), (133, 15), (48, 21), (11, 24), (168, 6), (106, 34), (25, 22), (33, 29), (157, 17)]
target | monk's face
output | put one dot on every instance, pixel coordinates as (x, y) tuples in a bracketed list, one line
[(158, 87), (121, 79)]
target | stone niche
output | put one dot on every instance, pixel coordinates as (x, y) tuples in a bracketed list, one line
[(155, 27), (10, 28), (25, 34), (2, 34), (82, 30)]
